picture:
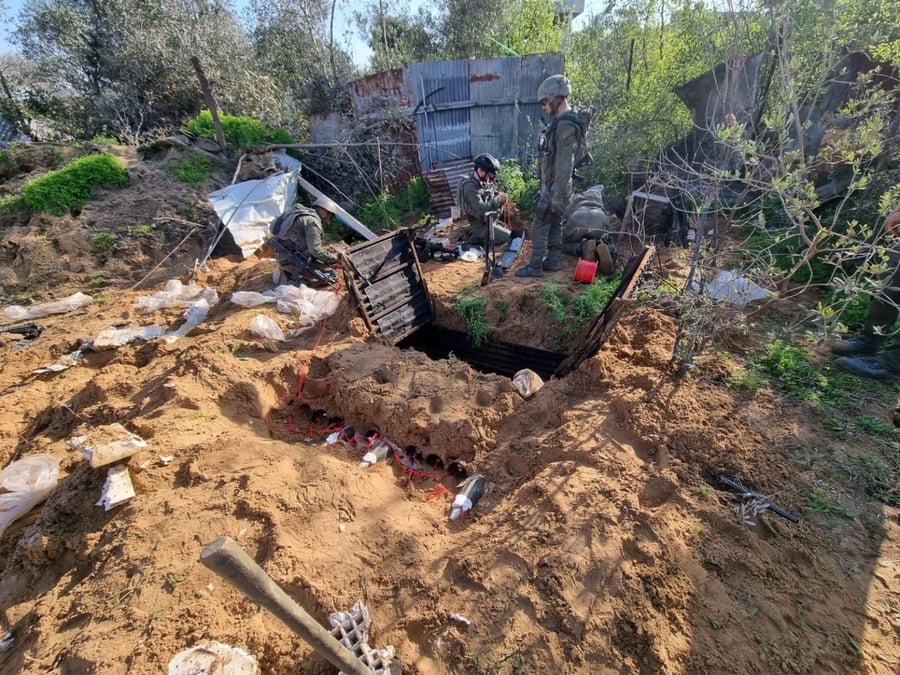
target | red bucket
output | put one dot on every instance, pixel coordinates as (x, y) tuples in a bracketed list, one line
[(585, 271)]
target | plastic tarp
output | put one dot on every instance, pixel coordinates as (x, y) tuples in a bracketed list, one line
[(247, 209)]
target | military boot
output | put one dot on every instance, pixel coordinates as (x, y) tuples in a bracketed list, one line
[(605, 263), (588, 248), (529, 271), (858, 345)]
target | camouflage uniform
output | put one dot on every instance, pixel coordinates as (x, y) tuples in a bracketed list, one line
[(556, 162), (302, 232), (477, 199)]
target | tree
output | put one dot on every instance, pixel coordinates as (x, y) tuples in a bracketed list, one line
[(124, 65), (397, 38)]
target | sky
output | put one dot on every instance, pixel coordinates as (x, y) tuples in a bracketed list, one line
[(344, 30)]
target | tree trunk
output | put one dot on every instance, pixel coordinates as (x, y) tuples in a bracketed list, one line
[(210, 103)]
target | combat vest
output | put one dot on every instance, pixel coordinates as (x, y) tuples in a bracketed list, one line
[(581, 118), (286, 220)]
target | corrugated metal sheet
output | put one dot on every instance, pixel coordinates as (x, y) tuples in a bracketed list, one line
[(443, 181), (469, 106)]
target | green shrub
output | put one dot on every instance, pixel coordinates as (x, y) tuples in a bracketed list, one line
[(102, 243), (242, 133), (523, 188), (391, 211), (193, 169), (59, 190)]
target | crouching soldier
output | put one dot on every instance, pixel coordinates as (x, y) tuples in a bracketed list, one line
[(586, 230), (298, 240), (478, 196)]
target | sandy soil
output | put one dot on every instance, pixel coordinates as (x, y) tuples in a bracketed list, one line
[(602, 543)]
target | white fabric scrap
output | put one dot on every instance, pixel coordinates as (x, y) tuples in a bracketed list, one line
[(176, 294), (74, 301)]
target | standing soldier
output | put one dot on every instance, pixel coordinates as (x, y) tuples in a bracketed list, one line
[(558, 146), (478, 196)]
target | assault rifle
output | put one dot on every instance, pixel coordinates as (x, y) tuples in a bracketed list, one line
[(302, 265), (760, 503)]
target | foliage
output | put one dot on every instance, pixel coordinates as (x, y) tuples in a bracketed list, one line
[(71, 185), (470, 306), (125, 65), (102, 243), (243, 133), (522, 187), (192, 169), (569, 308), (390, 211)]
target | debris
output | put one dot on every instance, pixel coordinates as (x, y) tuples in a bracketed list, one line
[(527, 383), (6, 641), (66, 361), (193, 317), (118, 487), (107, 444), (352, 630), (176, 294), (116, 337), (28, 482), (735, 290), (380, 449), (459, 617), (753, 502), (213, 658), (469, 492), (311, 304), (28, 331), (74, 301), (264, 327)]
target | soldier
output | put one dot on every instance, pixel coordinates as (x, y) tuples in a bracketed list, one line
[(301, 231), (586, 230), (478, 196), (557, 148)]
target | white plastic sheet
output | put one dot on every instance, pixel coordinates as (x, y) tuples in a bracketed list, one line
[(265, 328), (735, 290), (74, 301), (176, 294), (28, 482), (247, 209), (311, 304)]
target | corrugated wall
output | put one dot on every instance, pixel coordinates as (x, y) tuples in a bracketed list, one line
[(466, 107)]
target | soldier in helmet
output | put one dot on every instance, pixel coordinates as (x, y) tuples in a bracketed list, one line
[(478, 196), (301, 231), (557, 147)]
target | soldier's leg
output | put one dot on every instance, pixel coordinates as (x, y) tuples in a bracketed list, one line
[(554, 243)]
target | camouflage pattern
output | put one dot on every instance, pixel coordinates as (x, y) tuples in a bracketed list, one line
[(477, 199), (304, 234)]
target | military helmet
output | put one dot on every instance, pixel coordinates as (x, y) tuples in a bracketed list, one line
[(487, 162), (555, 85), (325, 203)]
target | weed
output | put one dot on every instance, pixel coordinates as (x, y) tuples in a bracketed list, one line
[(705, 491), (551, 295), (875, 427), (470, 308), (793, 372), (820, 503), (747, 381), (96, 279), (394, 210), (104, 140), (145, 229), (171, 580), (57, 191), (502, 308), (102, 243), (882, 478), (193, 169)]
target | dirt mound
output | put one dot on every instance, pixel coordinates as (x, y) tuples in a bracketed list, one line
[(602, 544)]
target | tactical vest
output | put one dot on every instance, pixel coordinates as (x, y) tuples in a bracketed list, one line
[(581, 118), (286, 220)]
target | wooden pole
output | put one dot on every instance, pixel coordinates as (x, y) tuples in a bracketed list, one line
[(227, 559), (210, 103)]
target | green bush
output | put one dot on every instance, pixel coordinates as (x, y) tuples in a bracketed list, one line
[(391, 211), (57, 191), (470, 308), (523, 188), (192, 169), (242, 133)]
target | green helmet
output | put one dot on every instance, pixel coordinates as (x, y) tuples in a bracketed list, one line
[(326, 204), (555, 85)]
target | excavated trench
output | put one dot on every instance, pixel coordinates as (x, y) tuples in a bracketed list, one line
[(408, 386)]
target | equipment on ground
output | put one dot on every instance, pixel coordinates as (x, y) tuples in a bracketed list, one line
[(760, 502)]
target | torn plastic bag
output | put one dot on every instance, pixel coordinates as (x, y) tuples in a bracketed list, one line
[(74, 301), (29, 481), (176, 294), (265, 328)]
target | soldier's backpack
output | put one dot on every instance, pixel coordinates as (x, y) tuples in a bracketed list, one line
[(581, 117)]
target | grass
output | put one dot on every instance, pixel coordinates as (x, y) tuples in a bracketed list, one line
[(470, 308), (193, 169), (819, 502), (568, 311), (102, 243)]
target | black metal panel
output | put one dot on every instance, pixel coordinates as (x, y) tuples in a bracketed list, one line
[(503, 358), (386, 283)]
